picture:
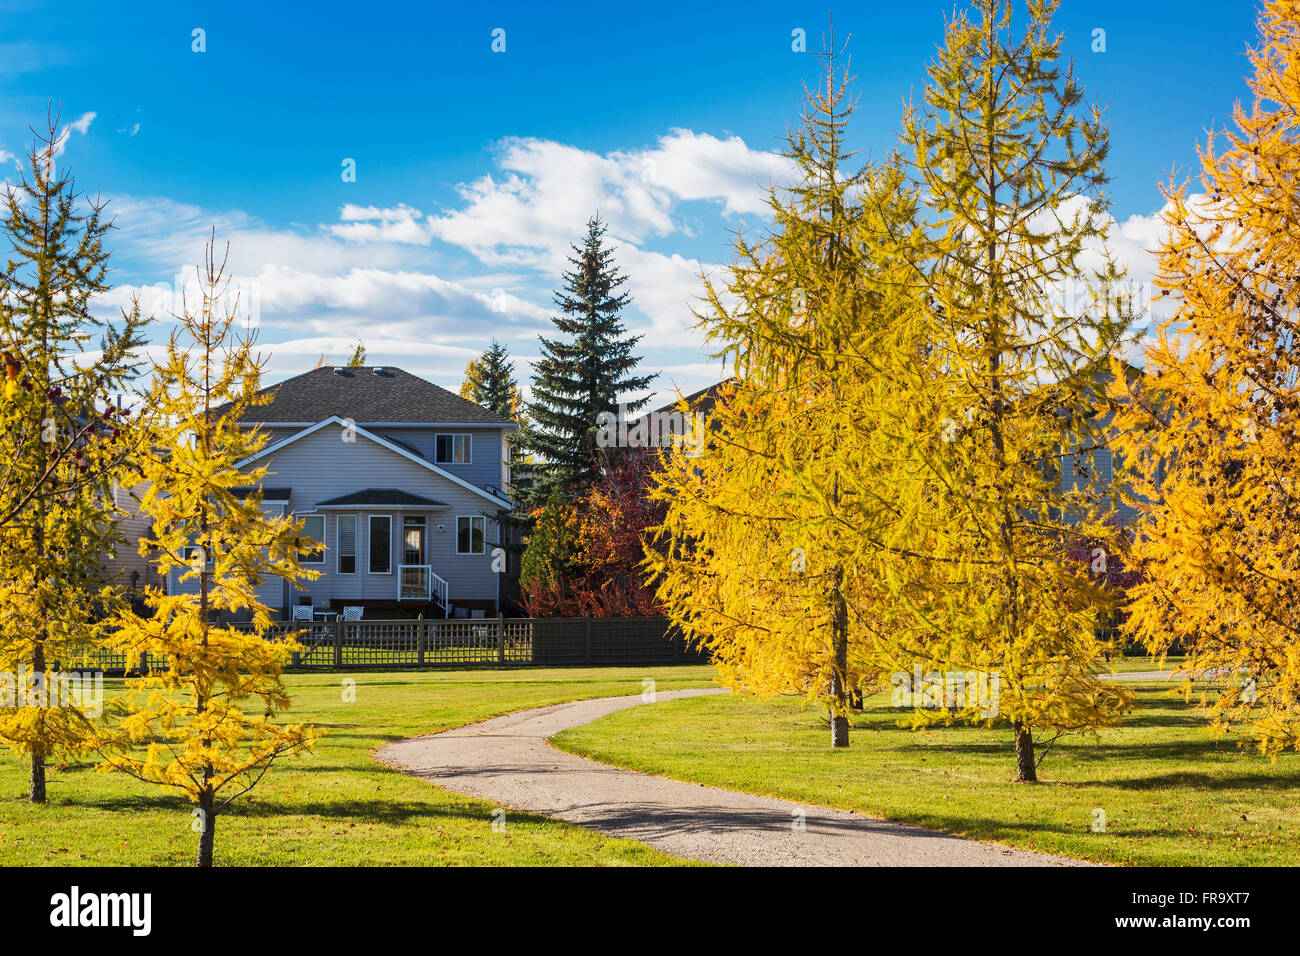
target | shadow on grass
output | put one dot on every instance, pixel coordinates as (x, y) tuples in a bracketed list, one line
[(384, 811), (1205, 781)]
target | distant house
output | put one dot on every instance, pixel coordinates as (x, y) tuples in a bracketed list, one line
[(1077, 468), (1080, 466), (403, 482), (124, 565)]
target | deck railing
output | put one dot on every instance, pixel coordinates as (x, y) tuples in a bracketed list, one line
[(413, 582), (417, 582)]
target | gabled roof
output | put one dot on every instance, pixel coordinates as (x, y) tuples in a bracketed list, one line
[(703, 400), (370, 394), (498, 500), (381, 497)]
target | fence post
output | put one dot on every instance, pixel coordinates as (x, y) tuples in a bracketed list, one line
[(421, 633), (587, 619), (337, 626), (295, 659), (501, 638)]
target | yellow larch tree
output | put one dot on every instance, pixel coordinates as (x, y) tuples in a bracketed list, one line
[(1005, 382), (64, 442), (1213, 428), (757, 559), (191, 714)]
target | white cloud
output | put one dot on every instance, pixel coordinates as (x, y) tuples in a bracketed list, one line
[(80, 125), (694, 166), (527, 213), (545, 191)]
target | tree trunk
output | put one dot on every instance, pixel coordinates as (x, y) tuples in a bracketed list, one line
[(37, 791), (839, 666), (839, 722), (1025, 771), (208, 831), (38, 777)]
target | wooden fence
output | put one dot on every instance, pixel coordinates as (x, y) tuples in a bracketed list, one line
[(467, 642)]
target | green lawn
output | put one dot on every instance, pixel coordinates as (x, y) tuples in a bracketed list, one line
[(337, 805), (1129, 665), (1172, 794)]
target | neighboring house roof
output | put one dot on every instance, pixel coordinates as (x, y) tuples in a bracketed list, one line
[(373, 394), (701, 401), (406, 444), (381, 497), (498, 500)]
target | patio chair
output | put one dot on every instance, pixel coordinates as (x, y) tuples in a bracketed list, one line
[(352, 612), (302, 612)]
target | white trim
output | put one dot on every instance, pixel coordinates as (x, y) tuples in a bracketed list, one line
[(469, 442), (381, 441), (338, 545), (370, 544), (471, 554), (507, 425), (325, 530)]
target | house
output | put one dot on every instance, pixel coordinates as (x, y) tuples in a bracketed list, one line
[(124, 565), (1077, 468), (403, 482)]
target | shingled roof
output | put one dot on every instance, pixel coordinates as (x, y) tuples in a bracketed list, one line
[(369, 394), (703, 400), (382, 497)]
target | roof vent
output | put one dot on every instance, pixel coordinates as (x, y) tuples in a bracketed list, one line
[(378, 370), (340, 369)]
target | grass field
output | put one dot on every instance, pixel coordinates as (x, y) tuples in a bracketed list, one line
[(1172, 794), (1129, 665), (337, 806)]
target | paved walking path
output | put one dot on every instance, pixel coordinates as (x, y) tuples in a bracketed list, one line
[(507, 761)]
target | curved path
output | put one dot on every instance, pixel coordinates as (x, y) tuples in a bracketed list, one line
[(507, 760)]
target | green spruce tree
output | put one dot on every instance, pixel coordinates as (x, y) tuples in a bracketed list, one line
[(581, 374), (490, 382)]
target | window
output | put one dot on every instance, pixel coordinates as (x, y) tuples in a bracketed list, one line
[(191, 551), (451, 450), (347, 544), (381, 544), (469, 534), (313, 527)]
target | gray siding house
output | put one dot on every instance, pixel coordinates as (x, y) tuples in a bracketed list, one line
[(403, 482)]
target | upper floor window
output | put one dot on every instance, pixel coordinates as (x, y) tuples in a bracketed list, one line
[(451, 450)]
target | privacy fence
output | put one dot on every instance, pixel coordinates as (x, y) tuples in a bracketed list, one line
[(466, 642)]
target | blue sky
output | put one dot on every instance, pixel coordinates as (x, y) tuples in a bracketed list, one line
[(474, 168)]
